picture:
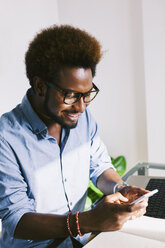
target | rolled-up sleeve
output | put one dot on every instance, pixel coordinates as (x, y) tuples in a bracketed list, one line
[(99, 158), (14, 201)]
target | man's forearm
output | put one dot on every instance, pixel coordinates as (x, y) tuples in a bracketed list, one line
[(107, 180), (38, 226)]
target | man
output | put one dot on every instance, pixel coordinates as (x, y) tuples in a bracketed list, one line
[(50, 147)]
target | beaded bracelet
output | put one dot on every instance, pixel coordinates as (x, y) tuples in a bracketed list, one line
[(77, 223), (67, 223)]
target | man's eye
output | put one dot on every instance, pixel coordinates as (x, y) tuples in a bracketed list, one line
[(71, 95)]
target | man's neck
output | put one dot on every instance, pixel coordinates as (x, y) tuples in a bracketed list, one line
[(54, 129)]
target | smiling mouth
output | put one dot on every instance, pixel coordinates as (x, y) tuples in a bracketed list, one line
[(72, 117)]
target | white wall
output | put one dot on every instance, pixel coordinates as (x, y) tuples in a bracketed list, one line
[(154, 54), (20, 20), (120, 107)]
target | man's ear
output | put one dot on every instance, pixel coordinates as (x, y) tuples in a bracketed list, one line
[(38, 86)]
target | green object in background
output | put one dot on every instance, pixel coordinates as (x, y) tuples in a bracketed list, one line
[(94, 193), (120, 164)]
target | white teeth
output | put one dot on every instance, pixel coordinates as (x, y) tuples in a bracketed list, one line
[(74, 117)]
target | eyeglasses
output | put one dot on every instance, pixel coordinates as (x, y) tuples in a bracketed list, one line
[(71, 97)]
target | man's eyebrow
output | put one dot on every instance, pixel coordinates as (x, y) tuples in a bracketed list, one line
[(74, 91)]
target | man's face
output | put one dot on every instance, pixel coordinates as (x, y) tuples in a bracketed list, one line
[(76, 79)]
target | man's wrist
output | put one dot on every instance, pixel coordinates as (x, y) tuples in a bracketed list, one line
[(87, 221), (119, 186)]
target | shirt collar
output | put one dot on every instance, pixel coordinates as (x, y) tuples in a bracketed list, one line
[(35, 122)]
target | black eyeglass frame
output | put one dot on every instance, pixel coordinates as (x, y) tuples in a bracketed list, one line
[(80, 94)]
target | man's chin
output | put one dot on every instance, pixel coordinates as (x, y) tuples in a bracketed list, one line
[(66, 124), (69, 125), (62, 122)]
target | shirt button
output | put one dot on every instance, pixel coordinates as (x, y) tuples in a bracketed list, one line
[(70, 203), (65, 180), (44, 132)]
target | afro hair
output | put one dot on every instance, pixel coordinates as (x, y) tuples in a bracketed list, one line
[(59, 46)]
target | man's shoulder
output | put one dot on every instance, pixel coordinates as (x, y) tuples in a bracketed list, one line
[(86, 121), (10, 121), (87, 116), (84, 118)]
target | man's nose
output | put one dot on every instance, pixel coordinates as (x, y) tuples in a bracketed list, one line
[(80, 106)]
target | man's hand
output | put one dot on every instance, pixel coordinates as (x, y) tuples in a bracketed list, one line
[(113, 211), (132, 192)]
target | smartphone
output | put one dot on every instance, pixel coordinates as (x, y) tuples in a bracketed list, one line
[(151, 193)]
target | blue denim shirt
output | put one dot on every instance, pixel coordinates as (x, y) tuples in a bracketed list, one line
[(36, 175)]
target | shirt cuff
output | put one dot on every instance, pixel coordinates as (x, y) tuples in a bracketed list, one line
[(99, 171), (11, 222)]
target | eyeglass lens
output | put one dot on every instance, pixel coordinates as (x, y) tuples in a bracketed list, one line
[(71, 98)]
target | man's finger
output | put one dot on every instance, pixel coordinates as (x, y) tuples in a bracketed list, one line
[(117, 197), (138, 206)]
